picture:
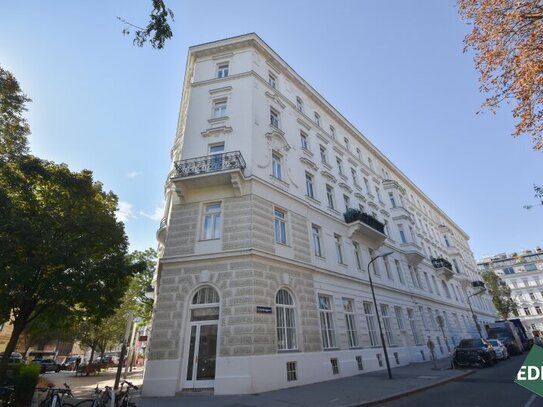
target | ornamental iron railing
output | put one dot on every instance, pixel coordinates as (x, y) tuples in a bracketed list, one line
[(209, 164), (440, 262), (352, 215)]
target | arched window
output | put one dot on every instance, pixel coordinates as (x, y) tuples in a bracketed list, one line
[(205, 305), (286, 323)]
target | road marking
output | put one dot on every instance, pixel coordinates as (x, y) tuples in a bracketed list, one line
[(529, 402)]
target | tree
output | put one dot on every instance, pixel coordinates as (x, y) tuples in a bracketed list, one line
[(507, 40), (14, 128), (501, 294), (157, 31), (140, 285)]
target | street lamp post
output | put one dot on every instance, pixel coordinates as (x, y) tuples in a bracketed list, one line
[(377, 311), (473, 314)]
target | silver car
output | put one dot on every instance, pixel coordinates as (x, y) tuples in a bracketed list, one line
[(500, 348)]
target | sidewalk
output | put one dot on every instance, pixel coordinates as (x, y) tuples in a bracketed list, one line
[(361, 390)]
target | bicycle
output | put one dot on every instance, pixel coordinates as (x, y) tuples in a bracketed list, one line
[(107, 397), (124, 396), (7, 396), (55, 396)]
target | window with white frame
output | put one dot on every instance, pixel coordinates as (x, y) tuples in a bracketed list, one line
[(387, 268), (423, 317), (317, 119), (359, 153), (417, 276), (347, 202), (436, 289), (333, 131), (414, 328), (211, 228), (370, 163), (219, 108), (376, 269), (280, 226), (347, 144), (299, 104), (322, 150), (399, 318), (326, 316), (403, 239), (317, 240), (378, 193), (304, 141), (222, 70), (385, 316), (348, 309), (428, 282), (286, 321), (413, 277), (367, 185), (392, 200), (446, 289), (277, 165), (330, 196), (272, 80), (432, 319), (355, 176), (274, 118), (339, 248), (357, 255), (309, 185), (339, 165), (372, 323), (399, 271)]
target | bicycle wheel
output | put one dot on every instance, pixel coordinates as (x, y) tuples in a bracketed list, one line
[(85, 403)]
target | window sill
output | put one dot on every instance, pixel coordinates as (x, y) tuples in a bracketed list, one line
[(217, 119), (307, 152), (326, 165), (343, 177), (330, 349), (279, 181), (313, 200), (333, 210), (283, 244), (356, 347), (288, 350), (210, 240)]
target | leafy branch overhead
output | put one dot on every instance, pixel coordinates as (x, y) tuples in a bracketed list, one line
[(157, 31), (506, 38)]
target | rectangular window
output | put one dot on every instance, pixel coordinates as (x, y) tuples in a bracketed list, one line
[(399, 271), (219, 108), (370, 321), (339, 250), (274, 118), (413, 277), (385, 315), (414, 328), (299, 104), (280, 227), (432, 319), (527, 311), (348, 308), (357, 255), (423, 317), (428, 282), (367, 185), (378, 193), (359, 153), (276, 165), (332, 132), (359, 363), (309, 185), (370, 163), (335, 366), (327, 322), (399, 318), (339, 165), (379, 359), (291, 372), (323, 154), (222, 70), (355, 177), (347, 202), (272, 80), (392, 200), (375, 264), (303, 141), (387, 268), (347, 144), (317, 119), (402, 233), (317, 239), (212, 221), (330, 196), (538, 310)]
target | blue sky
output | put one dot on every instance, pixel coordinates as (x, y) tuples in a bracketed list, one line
[(395, 69)]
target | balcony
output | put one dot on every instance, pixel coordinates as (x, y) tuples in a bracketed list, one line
[(443, 268), (209, 171), (413, 253), (365, 227)]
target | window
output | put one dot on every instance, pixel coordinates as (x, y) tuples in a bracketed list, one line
[(330, 196), (385, 314), (274, 118), (347, 202), (222, 70), (392, 200), (327, 322), (332, 131), (359, 363), (370, 321), (347, 144), (414, 328), (219, 108), (432, 319), (399, 318), (317, 239), (530, 267), (216, 149), (413, 277), (399, 271), (291, 371), (286, 325), (402, 233), (276, 165), (357, 255), (509, 270), (428, 282), (355, 177), (378, 193), (309, 185), (317, 119), (358, 153), (303, 141), (380, 359), (272, 80), (348, 308), (370, 163), (532, 296), (280, 227), (446, 289), (538, 310), (446, 241), (323, 154), (367, 185), (339, 165), (339, 252), (423, 317), (387, 268), (376, 270), (436, 289), (335, 366), (212, 221), (299, 104)]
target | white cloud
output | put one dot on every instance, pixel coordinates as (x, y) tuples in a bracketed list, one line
[(124, 212), (133, 174), (156, 215)]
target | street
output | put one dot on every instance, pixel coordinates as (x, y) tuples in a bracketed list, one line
[(486, 387)]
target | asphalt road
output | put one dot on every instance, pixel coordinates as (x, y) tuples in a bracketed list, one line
[(492, 386)]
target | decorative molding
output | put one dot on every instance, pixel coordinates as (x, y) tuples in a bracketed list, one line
[(224, 89), (328, 176), (217, 119), (365, 171), (235, 179), (385, 213), (223, 56), (303, 124), (338, 150), (273, 96), (309, 163), (215, 131), (352, 162), (322, 138), (360, 196), (345, 187), (373, 205)]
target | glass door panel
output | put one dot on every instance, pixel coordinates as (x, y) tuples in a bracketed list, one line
[(207, 351)]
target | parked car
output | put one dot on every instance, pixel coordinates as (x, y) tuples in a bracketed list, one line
[(500, 349), (47, 365), (70, 362), (474, 352), (16, 357)]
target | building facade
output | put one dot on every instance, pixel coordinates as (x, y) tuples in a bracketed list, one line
[(275, 205), (523, 273)]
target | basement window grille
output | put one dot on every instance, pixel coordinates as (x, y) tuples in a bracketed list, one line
[(380, 360), (291, 371), (335, 366), (359, 363), (397, 357)]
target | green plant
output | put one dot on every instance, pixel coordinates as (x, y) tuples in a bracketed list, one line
[(25, 381)]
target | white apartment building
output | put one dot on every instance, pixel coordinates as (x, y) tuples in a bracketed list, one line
[(523, 273), (262, 282)]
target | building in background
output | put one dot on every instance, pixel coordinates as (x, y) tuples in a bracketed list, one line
[(262, 281), (523, 273)]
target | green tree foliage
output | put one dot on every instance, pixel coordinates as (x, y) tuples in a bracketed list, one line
[(157, 31), (501, 294), (140, 284), (14, 128)]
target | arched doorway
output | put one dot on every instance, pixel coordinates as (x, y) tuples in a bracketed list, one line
[(202, 352)]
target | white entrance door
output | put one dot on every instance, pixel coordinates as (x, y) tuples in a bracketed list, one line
[(202, 355)]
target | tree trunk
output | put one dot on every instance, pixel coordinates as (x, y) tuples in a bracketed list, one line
[(93, 347), (18, 328)]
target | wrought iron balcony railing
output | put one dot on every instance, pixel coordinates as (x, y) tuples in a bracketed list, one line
[(352, 215), (440, 262), (209, 164)]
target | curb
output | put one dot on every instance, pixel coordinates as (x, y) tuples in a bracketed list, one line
[(412, 391)]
